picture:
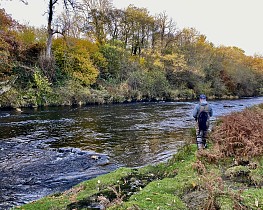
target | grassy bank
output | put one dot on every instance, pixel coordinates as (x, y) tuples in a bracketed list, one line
[(227, 175)]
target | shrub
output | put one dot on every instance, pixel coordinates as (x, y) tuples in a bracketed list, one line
[(240, 135), (74, 60), (72, 92)]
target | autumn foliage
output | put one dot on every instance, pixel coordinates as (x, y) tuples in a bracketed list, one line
[(119, 55), (240, 135)]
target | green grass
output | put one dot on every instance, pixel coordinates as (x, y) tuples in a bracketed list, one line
[(170, 183), (253, 198), (79, 192)]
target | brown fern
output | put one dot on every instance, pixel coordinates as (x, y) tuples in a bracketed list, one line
[(240, 135)]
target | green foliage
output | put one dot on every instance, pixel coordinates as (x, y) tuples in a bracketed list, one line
[(203, 87), (43, 87), (38, 92), (27, 36), (253, 198), (236, 171), (154, 199), (71, 92), (150, 85), (83, 190), (102, 182), (10, 98), (113, 56), (256, 175), (225, 202), (48, 203), (156, 85)]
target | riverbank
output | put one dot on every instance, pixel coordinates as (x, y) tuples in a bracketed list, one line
[(76, 95), (227, 175)]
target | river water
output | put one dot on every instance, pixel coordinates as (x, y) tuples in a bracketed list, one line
[(48, 150)]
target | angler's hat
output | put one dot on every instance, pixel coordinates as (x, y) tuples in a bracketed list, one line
[(202, 96)]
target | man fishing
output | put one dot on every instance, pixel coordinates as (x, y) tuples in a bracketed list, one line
[(202, 112)]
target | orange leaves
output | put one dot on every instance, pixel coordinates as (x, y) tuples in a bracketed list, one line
[(240, 134)]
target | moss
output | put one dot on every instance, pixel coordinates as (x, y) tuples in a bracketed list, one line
[(160, 194), (93, 186), (225, 202), (253, 198), (167, 192), (256, 175), (237, 171), (148, 200), (185, 153), (47, 203), (78, 192)]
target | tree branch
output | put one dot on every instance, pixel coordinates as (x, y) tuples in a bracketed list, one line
[(24, 1)]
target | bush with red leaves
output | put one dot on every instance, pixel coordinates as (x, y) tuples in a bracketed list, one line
[(240, 135)]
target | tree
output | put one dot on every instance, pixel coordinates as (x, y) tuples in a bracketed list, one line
[(138, 22), (115, 17), (50, 30), (96, 16), (50, 12), (8, 43), (166, 30), (70, 25)]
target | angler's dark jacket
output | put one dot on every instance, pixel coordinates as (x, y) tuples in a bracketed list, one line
[(197, 109)]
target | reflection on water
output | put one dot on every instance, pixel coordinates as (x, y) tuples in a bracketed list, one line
[(124, 135), (132, 134)]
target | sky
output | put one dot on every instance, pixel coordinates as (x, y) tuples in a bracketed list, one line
[(224, 22)]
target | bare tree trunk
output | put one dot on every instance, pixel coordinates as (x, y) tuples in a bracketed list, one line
[(49, 27)]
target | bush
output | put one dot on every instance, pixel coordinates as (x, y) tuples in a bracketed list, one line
[(74, 60), (72, 92), (151, 85), (240, 135)]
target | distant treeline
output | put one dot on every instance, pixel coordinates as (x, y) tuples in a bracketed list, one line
[(101, 54)]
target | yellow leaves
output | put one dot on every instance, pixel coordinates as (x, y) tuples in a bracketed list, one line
[(83, 69), (168, 62), (27, 36), (138, 15), (142, 61), (5, 20), (73, 57), (157, 62), (256, 63), (174, 62)]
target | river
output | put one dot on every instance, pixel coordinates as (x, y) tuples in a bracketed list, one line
[(50, 149)]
